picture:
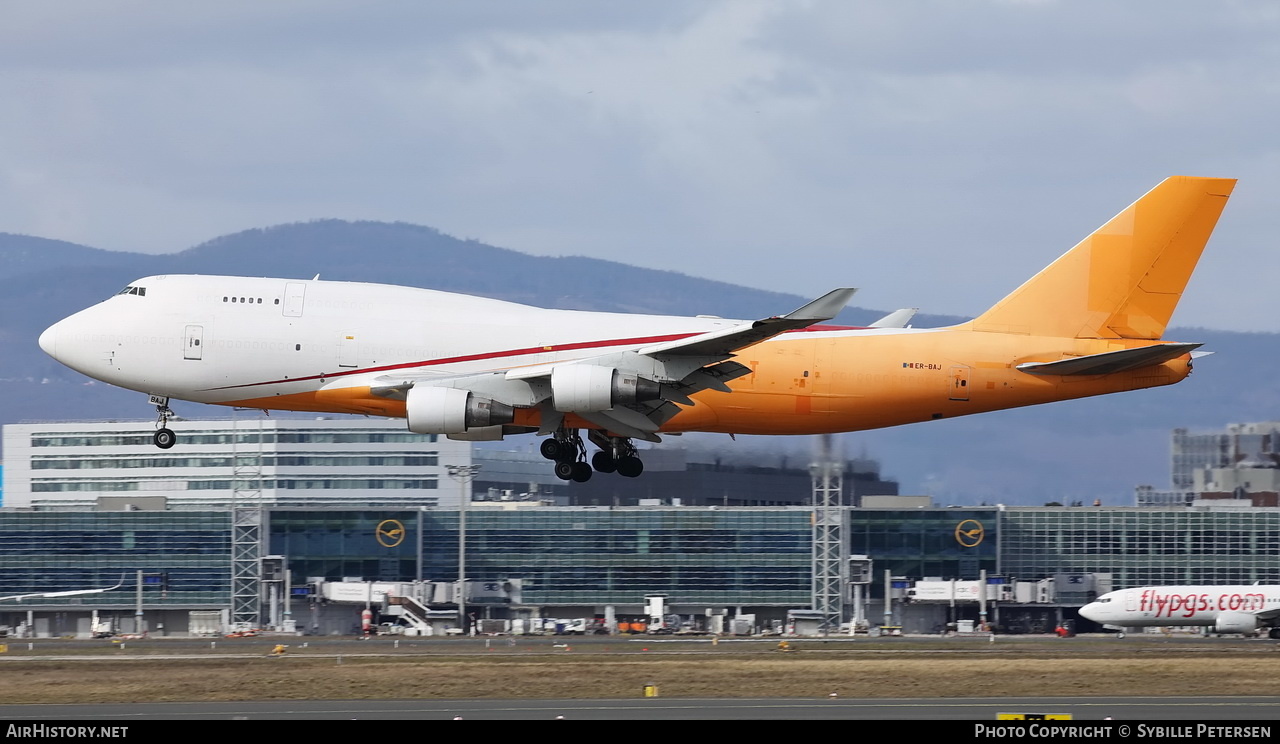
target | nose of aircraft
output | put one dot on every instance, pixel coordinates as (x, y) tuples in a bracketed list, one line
[(49, 340), (1092, 611)]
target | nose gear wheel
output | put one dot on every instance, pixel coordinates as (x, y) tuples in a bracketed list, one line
[(164, 438)]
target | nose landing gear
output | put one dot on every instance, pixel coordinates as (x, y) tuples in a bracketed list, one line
[(164, 438)]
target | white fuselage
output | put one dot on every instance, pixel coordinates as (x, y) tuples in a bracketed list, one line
[(1154, 606), (226, 339), (215, 339)]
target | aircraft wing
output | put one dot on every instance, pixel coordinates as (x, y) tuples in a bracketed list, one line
[(728, 340), (72, 593), (669, 372)]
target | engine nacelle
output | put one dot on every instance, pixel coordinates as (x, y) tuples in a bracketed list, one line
[(587, 387), (441, 410), (1235, 622)]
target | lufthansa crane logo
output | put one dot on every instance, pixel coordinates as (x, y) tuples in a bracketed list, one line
[(390, 533), (969, 533)]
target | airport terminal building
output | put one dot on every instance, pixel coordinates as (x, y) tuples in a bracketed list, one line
[(584, 562), (268, 552)]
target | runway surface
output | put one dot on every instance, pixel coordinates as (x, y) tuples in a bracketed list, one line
[(1133, 709), (654, 709)]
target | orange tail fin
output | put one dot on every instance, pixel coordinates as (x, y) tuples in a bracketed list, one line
[(1125, 279)]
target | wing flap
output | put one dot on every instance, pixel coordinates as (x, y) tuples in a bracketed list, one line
[(625, 422)]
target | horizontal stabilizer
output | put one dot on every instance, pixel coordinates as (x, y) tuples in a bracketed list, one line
[(1109, 362)]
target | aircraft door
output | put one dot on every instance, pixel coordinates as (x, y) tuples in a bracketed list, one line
[(958, 382), (347, 350), (295, 293), (193, 342)]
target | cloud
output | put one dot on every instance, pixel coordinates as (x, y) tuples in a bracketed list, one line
[(935, 153)]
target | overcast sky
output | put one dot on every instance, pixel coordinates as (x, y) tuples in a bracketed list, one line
[(934, 154)]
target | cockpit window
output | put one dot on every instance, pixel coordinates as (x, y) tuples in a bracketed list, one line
[(132, 290)]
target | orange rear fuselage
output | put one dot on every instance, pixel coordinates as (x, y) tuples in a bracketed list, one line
[(812, 386), (815, 383)]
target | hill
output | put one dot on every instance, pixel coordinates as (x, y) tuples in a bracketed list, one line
[(1078, 450)]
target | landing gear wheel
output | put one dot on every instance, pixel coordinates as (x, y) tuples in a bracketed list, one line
[(604, 462), (1274, 634), (164, 438), (564, 470), (630, 466), (581, 472), (550, 449)]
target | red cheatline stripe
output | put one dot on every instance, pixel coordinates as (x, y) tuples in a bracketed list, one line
[(477, 357), (514, 353)]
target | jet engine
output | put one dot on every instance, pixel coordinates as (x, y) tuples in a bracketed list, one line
[(1236, 622), (587, 387), (441, 410)]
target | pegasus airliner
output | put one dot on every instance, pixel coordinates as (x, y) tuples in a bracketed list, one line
[(1244, 609)]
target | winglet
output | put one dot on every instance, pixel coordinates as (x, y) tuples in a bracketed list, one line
[(725, 341), (896, 319), (825, 307)]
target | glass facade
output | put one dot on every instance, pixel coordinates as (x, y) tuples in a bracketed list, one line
[(134, 439), (1143, 547), (364, 544), (185, 557), (299, 462), (576, 556), (941, 543), (570, 556)]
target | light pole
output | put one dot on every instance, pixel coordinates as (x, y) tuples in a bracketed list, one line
[(464, 475)]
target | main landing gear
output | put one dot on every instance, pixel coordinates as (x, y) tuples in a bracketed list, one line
[(164, 438), (616, 454), (567, 449)]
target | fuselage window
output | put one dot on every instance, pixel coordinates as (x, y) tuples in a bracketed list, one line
[(225, 299), (233, 299), (297, 347), (277, 300)]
